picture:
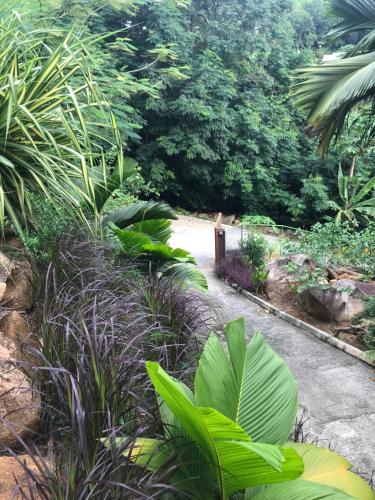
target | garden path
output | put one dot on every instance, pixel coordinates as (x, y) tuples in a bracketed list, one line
[(337, 391)]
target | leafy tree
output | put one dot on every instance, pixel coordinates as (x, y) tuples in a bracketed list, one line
[(228, 134)]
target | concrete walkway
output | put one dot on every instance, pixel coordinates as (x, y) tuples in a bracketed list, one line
[(337, 391)]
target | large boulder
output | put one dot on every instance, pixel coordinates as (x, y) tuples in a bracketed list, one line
[(14, 326), (339, 301), (19, 293), (6, 267), (19, 402), (285, 273), (12, 472)]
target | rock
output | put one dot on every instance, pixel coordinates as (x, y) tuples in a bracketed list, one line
[(11, 472), (348, 337), (14, 327), (19, 402), (18, 294), (3, 287), (6, 267), (228, 219), (337, 302), (280, 269), (285, 273)]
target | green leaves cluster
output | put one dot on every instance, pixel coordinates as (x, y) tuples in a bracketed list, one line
[(230, 436), (143, 230)]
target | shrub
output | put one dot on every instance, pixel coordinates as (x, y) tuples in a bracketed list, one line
[(341, 245), (236, 270), (49, 222), (254, 249), (368, 315), (48, 142), (258, 220)]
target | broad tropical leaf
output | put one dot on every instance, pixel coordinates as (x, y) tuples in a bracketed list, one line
[(234, 459), (253, 386), (132, 242), (326, 467), (186, 274), (139, 212), (159, 230), (300, 490)]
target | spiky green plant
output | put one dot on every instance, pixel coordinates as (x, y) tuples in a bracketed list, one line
[(50, 141)]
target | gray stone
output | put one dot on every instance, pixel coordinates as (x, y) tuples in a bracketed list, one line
[(278, 268), (340, 301)]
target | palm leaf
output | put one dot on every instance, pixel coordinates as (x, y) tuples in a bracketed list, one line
[(253, 386), (139, 212), (159, 230), (185, 274), (323, 466), (298, 490), (227, 449)]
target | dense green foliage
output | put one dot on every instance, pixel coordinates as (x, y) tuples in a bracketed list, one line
[(342, 245), (205, 110)]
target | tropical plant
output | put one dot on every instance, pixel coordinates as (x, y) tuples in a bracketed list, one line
[(254, 249), (232, 433), (353, 197), (258, 220), (50, 142), (143, 230), (330, 91)]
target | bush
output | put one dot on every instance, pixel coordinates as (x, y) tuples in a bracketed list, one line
[(258, 220), (49, 222), (368, 315), (254, 249), (236, 270), (337, 245)]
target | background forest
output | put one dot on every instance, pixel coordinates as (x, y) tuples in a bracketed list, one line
[(200, 90)]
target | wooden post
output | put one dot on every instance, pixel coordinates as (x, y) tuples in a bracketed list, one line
[(219, 241)]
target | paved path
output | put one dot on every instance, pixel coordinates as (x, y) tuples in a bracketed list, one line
[(336, 389)]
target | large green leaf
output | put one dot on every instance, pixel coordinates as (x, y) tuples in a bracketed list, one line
[(367, 188), (253, 386), (186, 274), (159, 230), (139, 212), (227, 449), (300, 490), (132, 242), (326, 467), (108, 183)]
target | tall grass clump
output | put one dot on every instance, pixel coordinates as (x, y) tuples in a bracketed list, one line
[(100, 321)]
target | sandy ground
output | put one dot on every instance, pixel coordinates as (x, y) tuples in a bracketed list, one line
[(337, 391)]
